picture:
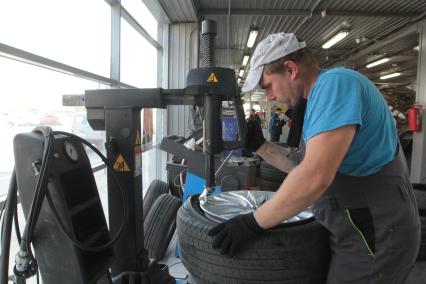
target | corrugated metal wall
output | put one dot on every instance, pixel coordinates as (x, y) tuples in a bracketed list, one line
[(183, 55)]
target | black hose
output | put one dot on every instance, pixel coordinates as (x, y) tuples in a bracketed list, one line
[(40, 190), (7, 229), (16, 222)]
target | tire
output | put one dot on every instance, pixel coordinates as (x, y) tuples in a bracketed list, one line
[(285, 254), (155, 189), (266, 185), (422, 250), (268, 172), (160, 225), (420, 194)]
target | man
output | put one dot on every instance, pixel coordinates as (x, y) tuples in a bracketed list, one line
[(276, 125), (254, 116), (352, 170)]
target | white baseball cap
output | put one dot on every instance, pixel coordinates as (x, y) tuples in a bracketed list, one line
[(271, 48)]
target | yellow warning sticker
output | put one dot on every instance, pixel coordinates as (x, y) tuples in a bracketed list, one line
[(138, 138), (212, 78), (120, 164)]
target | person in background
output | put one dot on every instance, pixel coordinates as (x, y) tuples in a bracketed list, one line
[(254, 116), (276, 125)]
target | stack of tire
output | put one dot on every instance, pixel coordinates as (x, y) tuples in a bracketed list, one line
[(159, 212), (270, 178), (420, 193), (297, 253)]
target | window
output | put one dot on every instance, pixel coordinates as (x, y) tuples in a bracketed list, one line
[(34, 97), (138, 59), (144, 17), (75, 33)]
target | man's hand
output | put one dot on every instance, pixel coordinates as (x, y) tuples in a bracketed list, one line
[(229, 235), (254, 138)]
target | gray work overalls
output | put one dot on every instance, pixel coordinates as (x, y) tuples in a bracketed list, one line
[(374, 225)]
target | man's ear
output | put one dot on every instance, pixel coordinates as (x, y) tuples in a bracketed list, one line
[(292, 68)]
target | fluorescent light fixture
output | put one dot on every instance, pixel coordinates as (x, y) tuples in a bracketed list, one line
[(241, 73), (245, 60), (416, 48), (391, 75), (252, 38), (378, 62), (335, 39)]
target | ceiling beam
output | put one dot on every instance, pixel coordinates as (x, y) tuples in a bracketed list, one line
[(307, 13), (406, 31)]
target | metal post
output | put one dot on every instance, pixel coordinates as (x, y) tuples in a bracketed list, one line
[(211, 106), (115, 43), (123, 131), (418, 160)]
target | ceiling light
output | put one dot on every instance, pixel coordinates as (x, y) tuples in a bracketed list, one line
[(416, 48), (252, 38), (241, 74), (245, 60), (378, 62), (335, 39), (391, 75)]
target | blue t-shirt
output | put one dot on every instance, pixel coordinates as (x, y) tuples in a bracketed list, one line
[(342, 97)]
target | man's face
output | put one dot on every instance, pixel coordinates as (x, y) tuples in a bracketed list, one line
[(280, 87)]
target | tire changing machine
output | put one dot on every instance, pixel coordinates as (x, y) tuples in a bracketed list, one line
[(118, 112)]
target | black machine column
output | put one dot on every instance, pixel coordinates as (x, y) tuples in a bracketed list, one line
[(212, 107), (123, 131)]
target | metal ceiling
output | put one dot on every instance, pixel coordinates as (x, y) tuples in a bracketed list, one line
[(369, 23)]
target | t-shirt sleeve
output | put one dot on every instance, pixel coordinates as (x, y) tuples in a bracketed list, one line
[(334, 102)]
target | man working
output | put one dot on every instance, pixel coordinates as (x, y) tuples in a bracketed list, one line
[(352, 171), (276, 125)]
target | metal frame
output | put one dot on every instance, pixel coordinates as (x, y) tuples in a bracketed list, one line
[(307, 13), (40, 61), (418, 157)]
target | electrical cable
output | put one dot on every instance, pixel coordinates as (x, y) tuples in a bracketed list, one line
[(2, 208), (182, 184), (1, 213), (16, 222), (40, 189), (7, 229)]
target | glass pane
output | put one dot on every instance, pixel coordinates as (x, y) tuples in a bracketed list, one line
[(149, 166), (34, 97), (76, 32), (148, 127), (138, 59), (140, 12)]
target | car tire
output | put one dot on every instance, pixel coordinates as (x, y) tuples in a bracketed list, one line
[(160, 224), (267, 185), (155, 189), (420, 194), (285, 254), (270, 173), (422, 250)]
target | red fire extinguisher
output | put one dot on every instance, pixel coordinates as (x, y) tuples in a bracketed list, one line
[(414, 119)]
